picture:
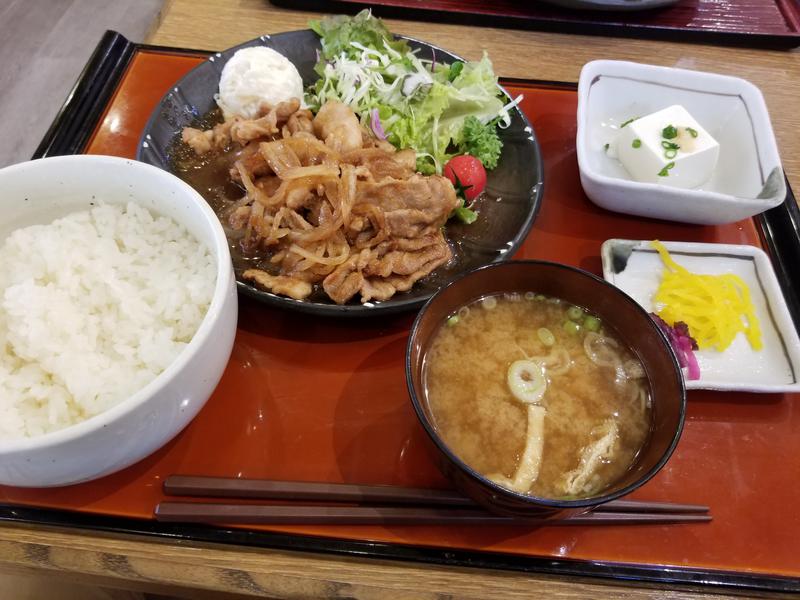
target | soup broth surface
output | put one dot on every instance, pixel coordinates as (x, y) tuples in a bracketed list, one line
[(589, 400)]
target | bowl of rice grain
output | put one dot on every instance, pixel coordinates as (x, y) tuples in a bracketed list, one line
[(118, 312)]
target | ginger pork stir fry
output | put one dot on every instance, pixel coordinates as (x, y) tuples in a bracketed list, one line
[(329, 204)]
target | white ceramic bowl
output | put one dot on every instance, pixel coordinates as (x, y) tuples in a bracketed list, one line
[(43, 190), (748, 178)]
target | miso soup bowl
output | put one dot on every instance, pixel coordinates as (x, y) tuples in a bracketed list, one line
[(631, 323)]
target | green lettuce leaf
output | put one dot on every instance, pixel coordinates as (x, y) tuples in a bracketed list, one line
[(339, 31), (436, 109)]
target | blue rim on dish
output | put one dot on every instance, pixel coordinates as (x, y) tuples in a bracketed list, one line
[(499, 232)]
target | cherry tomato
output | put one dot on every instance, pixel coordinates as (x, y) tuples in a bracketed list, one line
[(467, 173)]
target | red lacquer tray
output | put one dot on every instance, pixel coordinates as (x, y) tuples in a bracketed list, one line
[(308, 398)]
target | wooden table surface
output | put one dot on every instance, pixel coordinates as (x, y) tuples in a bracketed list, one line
[(199, 570)]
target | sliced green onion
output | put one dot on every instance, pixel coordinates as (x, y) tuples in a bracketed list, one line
[(546, 336), (489, 303), (575, 313), (628, 122), (571, 327), (466, 215), (637, 143), (669, 132), (530, 296), (540, 297), (669, 145), (526, 381), (453, 321), (591, 323), (692, 132), (670, 154), (606, 146), (665, 171)]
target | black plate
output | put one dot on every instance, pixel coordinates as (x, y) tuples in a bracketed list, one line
[(495, 236)]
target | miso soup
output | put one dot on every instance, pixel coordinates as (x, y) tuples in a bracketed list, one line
[(538, 395)]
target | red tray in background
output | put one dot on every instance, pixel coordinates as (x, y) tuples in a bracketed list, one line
[(757, 23), (308, 398)]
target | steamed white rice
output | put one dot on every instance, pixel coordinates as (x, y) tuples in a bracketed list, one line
[(93, 307)]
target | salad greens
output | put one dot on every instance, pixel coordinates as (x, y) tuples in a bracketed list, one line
[(464, 214), (413, 103), (340, 32), (481, 140)]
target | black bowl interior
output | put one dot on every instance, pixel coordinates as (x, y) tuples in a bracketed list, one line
[(498, 233), (632, 324)]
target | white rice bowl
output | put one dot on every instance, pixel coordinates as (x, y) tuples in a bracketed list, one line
[(61, 441), (92, 308), (254, 76)]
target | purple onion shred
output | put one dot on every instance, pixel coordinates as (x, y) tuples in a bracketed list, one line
[(375, 123), (683, 345)]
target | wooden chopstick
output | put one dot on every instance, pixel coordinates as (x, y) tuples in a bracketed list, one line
[(201, 512), (267, 489)]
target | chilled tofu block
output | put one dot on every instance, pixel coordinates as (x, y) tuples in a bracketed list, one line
[(667, 147)]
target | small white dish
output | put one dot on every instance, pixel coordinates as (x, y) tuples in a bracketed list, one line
[(635, 267), (748, 178)]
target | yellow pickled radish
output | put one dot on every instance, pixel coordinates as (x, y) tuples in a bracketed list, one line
[(715, 307)]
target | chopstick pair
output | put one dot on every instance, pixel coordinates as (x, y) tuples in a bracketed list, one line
[(410, 506)]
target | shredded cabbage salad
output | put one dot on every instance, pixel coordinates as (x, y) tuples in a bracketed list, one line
[(437, 109)]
